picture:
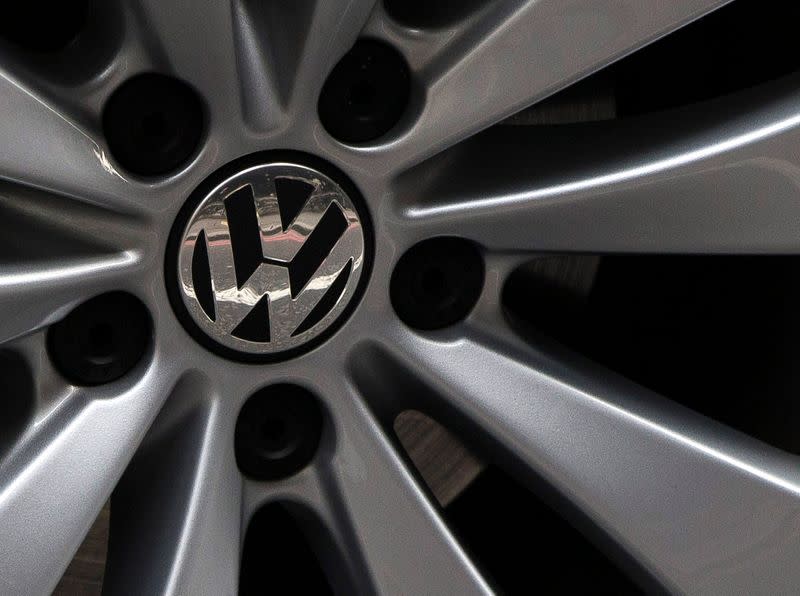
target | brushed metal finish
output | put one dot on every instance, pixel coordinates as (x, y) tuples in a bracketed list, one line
[(696, 506)]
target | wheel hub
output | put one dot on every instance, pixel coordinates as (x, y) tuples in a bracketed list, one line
[(266, 261)]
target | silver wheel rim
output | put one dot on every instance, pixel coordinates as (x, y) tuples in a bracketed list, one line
[(697, 506)]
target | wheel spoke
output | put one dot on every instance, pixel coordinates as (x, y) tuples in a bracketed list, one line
[(287, 50), (728, 185), (197, 39), (34, 295), (405, 546), (62, 226), (44, 147), (333, 28), (720, 511), (58, 252), (53, 488), (520, 52), (176, 512)]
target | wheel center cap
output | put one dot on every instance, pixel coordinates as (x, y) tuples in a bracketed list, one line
[(266, 260)]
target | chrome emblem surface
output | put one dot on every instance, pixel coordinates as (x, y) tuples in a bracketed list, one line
[(270, 258)]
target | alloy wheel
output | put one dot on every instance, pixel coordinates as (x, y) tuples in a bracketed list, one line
[(105, 146)]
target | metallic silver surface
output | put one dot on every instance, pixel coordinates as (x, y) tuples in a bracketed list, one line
[(697, 507), (280, 241)]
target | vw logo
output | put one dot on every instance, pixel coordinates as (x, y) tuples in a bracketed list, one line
[(270, 258)]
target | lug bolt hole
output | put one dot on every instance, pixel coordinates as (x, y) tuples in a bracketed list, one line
[(156, 128), (366, 93), (437, 282), (47, 28), (153, 124), (433, 283), (277, 432), (362, 96), (101, 343), (100, 340)]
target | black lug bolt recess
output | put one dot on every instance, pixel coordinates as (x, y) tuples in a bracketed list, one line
[(153, 124), (366, 93), (100, 340), (277, 432), (437, 282), (44, 28)]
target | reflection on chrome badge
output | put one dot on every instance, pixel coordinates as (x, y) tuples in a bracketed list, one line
[(270, 258)]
